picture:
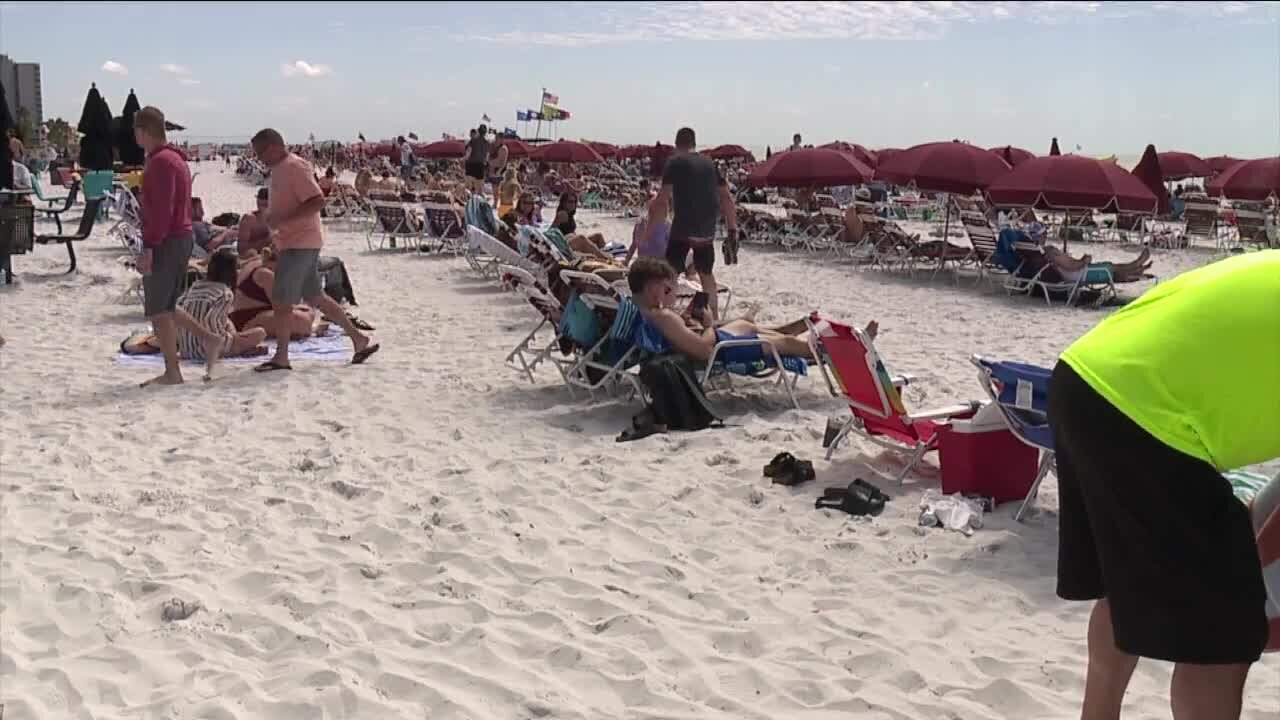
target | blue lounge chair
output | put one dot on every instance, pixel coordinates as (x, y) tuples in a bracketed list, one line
[(1021, 392)]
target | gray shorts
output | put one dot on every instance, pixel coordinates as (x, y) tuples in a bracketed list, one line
[(168, 277), (297, 277)]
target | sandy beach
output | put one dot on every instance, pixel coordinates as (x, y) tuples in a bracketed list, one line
[(431, 536)]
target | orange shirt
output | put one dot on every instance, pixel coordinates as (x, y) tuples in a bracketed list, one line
[(292, 184)]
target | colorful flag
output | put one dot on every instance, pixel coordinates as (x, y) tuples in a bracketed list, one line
[(520, 116), (549, 99), (564, 115)]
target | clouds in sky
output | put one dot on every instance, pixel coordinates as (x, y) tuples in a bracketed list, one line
[(827, 19), (181, 72), (302, 68), (114, 68)]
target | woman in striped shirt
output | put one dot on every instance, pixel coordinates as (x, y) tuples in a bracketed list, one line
[(209, 302)]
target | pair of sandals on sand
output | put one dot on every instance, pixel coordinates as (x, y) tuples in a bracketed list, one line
[(859, 498)]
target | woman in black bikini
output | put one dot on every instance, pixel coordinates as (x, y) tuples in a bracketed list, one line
[(566, 222)]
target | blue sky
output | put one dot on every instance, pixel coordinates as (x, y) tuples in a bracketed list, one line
[(1110, 77)]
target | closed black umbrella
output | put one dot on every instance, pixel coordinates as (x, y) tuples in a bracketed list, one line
[(127, 147), (6, 160), (95, 124)]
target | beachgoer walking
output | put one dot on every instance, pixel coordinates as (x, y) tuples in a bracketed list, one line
[(699, 195), (406, 158), (498, 155), (167, 241), (293, 214), (477, 159), (1147, 410)]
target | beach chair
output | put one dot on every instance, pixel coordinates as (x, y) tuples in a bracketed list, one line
[(1046, 281), (1201, 218), (444, 227), (528, 354), (52, 211), (1021, 393), (983, 238), (492, 252), (91, 208), (1252, 224), (1129, 225), (600, 293), (853, 370), (394, 222)]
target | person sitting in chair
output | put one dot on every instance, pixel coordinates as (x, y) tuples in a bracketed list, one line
[(1072, 269), (653, 289), (565, 221)]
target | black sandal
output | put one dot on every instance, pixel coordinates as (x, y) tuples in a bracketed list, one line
[(860, 498), (783, 461)]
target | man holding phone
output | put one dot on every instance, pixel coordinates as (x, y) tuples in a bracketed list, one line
[(700, 196)]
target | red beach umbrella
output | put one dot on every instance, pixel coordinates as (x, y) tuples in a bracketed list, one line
[(517, 148), (812, 167), (1148, 171), (1220, 163), (442, 150), (567, 151), (1180, 165), (730, 152), (1248, 180), (953, 167), (1064, 182), (863, 155), (605, 149), (1015, 156)]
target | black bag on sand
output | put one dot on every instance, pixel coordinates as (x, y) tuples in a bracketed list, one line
[(676, 400)]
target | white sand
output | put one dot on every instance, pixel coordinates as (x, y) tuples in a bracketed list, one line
[(431, 536)]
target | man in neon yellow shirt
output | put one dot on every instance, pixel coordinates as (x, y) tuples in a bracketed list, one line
[(1147, 410)]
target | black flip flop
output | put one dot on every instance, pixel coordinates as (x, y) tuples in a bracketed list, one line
[(360, 357), (860, 498), (801, 472), (271, 366)]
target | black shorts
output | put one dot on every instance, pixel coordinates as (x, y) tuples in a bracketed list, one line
[(704, 253), (1156, 532), (475, 170)]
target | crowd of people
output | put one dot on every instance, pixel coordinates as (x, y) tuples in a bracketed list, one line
[(260, 279)]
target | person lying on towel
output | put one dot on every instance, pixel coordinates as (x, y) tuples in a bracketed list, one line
[(653, 289)]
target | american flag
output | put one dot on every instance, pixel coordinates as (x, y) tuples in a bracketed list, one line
[(549, 99)]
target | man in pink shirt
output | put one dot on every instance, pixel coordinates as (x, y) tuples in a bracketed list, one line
[(293, 215), (167, 240)]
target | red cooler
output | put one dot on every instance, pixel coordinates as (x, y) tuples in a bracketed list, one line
[(981, 457)]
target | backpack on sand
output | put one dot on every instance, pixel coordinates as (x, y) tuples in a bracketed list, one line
[(676, 400)]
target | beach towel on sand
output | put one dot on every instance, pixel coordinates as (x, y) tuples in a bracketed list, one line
[(141, 349)]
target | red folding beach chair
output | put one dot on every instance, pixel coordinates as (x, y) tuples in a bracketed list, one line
[(847, 355)]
